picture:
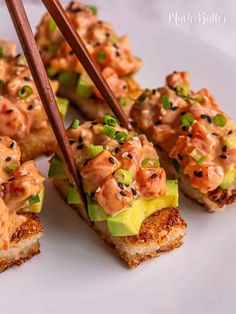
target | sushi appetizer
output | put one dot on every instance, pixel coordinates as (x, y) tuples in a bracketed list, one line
[(21, 198), (111, 53), (130, 202), (22, 116), (196, 141)]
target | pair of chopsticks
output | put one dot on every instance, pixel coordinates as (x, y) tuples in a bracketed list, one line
[(26, 38)]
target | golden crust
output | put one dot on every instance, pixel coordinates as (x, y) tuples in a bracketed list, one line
[(37, 143), (19, 252), (163, 231)]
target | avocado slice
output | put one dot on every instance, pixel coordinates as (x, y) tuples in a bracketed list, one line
[(35, 208), (128, 222), (68, 78), (229, 177), (56, 169), (63, 105), (73, 196), (95, 211), (83, 88)]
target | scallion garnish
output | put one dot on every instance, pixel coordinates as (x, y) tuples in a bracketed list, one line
[(75, 124), (150, 163), (11, 167), (123, 176), (113, 39), (94, 150), (187, 119), (219, 120), (33, 199), (200, 160), (166, 102), (142, 97), (93, 9), (53, 47), (187, 97), (122, 137), (109, 120), (109, 131), (52, 26), (25, 91), (101, 56)]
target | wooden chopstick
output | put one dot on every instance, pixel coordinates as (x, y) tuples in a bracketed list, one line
[(76, 43), (25, 35)]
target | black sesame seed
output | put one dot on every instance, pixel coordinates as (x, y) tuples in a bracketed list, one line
[(230, 132), (71, 53), (215, 134), (184, 128), (157, 122), (121, 186), (92, 195), (71, 142), (182, 113), (80, 139), (153, 176), (197, 174), (130, 156), (94, 123), (80, 146), (174, 108), (9, 111), (12, 145), (224, 148), (180, 157), (117, 150), (223, 156), (205, 116), (134, 191), (8, 159), (116, 46), (112, 160), (190, 135), (26, 78), (125, 87), (107, 35), (30, 107), (100, 22), (86, 162), (122, 193), (117, 54), (154, 92)]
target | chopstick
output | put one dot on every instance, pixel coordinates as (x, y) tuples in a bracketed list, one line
[(25, 35), (76, 43)]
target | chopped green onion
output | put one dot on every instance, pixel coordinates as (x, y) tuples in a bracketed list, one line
[(142, 97), (187, 97), (93, 9), (219, 120), (75, 124), (122, 137), (1, 51), (113, 39), (67, 78), (101, 56), (200, 160), (187, 119), (109, 120), (166, 102), (53, 47), (11, 167), (33, 199), (109, 131), (52, 26), (123, 176), (21, 61), (197, 153), (94, 150), (51, 72), (185, 88), (123, 101), (83, 88), (150, 163), (178, 167), (2, 82), (25, 91)]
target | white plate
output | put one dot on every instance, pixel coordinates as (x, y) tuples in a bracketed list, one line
[(76, 272)]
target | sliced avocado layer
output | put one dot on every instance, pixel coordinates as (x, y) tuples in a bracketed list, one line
[(73, 196), (63, 105), (128, 222), (83, 88), (95, 211), (35, 208), (56, 169), (229, 177)]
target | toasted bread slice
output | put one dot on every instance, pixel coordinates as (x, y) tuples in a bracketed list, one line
[(91, 108), (24, 243), (37, 143), (163, 231), (213, 201)]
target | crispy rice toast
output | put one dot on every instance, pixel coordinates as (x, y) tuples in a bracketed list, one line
[(163, 231), (213, 201), (91, 108), (37, 143), (24, 243)]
